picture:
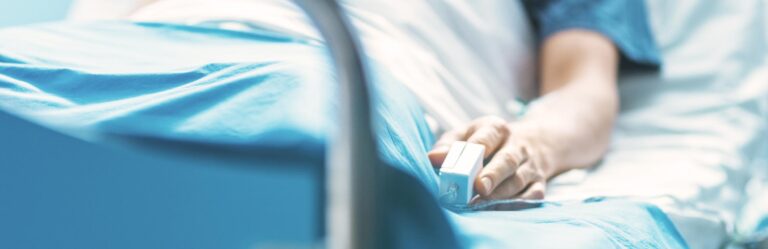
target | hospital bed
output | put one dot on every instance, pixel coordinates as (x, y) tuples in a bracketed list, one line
[(352, 202), (651, 141)]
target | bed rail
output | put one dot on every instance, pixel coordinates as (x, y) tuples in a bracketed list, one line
[(352, 217)]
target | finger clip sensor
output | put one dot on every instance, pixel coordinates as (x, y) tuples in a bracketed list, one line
[(458, 173)]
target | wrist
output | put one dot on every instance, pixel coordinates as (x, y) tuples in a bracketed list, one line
[(542, 147)]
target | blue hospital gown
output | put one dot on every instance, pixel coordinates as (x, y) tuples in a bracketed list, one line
[(625, 22)]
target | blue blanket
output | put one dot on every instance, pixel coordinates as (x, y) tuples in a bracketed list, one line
[(265, 89)]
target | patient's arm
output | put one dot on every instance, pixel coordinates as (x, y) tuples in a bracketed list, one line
[(579, 97), (568, 127)]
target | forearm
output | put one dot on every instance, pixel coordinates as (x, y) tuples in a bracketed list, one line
[(575, 115)]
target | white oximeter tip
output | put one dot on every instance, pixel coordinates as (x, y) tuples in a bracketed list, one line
[(458, 173)]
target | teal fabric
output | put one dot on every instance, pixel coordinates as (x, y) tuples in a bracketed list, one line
[(263, 90), (598, 223), (625, 22)]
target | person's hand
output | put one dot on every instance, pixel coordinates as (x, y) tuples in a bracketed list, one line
[(515, 162)]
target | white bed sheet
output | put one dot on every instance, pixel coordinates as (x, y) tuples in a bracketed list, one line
[(688, 139)]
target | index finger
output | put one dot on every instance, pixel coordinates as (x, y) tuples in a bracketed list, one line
[(443, 145)]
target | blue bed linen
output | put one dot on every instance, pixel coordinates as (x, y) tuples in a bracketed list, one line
[(265, 90), (597, 223)]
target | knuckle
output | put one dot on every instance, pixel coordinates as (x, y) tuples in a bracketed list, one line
[(488, 142), (472, 128), (504, 130), (513, 186), (525, 150), (498, 124), (523, 177), (477, 138), (509, 159)]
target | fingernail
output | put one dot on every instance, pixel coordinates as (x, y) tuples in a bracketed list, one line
[(487, 184)]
